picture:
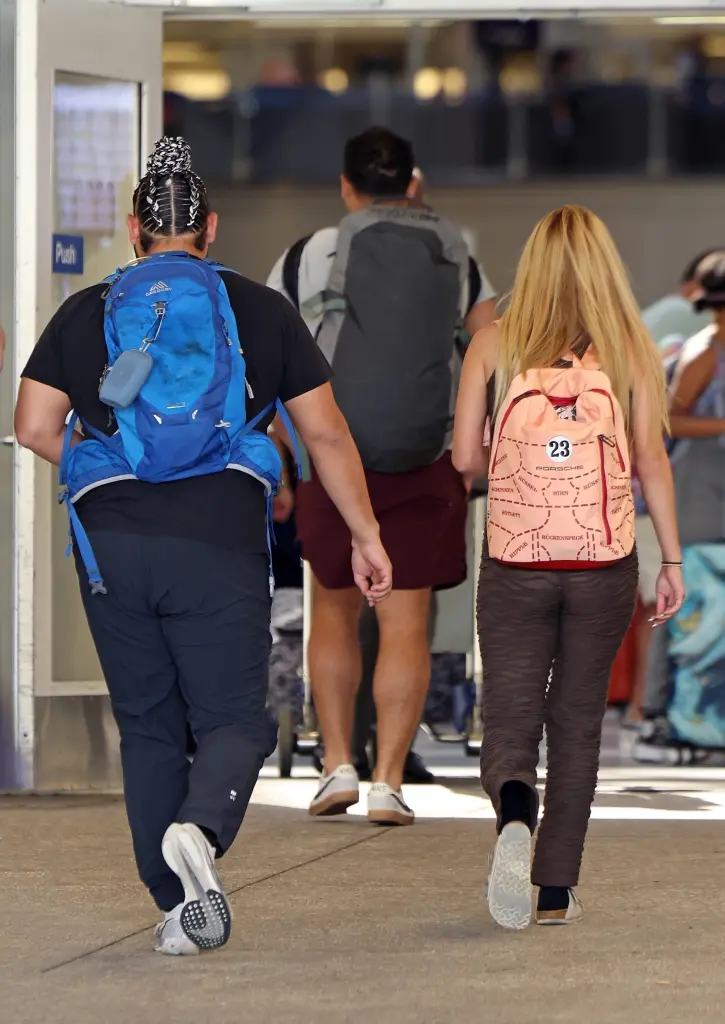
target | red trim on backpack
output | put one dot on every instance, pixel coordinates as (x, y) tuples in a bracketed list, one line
[(561, 566), (512, 406), (601, 391), (605, 496)]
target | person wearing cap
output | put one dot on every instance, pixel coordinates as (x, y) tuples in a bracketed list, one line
[(697, 407), (674, 315), (697, 426), (670, 321)]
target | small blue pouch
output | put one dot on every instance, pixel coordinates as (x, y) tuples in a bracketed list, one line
[(129, 373), (125, 379)]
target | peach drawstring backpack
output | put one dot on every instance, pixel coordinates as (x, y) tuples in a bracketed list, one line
[(560, 494)]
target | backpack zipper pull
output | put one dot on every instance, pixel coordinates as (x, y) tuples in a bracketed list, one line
[(612, 444)]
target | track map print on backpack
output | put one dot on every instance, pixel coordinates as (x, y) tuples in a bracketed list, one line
[(560, 493)]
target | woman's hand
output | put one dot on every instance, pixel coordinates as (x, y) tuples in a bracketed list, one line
[(670, 592)]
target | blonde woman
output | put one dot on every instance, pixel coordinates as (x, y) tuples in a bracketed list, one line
[(549, 629)]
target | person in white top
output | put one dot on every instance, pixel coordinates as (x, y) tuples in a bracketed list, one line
[(314, 271), (387, 295)]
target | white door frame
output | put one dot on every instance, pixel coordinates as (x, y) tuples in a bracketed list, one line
[(448, 9), (82, 37)]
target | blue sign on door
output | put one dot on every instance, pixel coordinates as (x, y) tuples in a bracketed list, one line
[(67, 254)]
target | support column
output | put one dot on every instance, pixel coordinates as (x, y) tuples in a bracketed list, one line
[(25, 333)]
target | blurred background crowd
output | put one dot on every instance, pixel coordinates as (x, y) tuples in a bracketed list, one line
[(273, 102)]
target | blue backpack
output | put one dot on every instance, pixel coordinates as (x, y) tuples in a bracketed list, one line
[(189, 416)]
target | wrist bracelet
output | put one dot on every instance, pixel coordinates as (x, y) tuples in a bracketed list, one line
[(674, 565)]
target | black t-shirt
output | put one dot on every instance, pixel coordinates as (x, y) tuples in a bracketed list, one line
[(228, 508)]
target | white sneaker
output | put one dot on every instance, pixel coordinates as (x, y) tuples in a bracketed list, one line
[(573, 912), (509, 884), (337, 792), (169, 937), (386, 806), (205, 917)]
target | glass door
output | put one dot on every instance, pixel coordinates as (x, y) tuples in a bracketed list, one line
[(96, 159)]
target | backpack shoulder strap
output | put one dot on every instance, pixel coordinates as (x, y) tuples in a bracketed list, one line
[(578, 350), (474, 284), (291, 270), (473, 290)]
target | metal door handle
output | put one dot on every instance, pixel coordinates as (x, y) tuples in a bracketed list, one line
[(10, 440)]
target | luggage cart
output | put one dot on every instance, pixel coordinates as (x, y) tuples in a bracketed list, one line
[(293, 737), (471, 736)]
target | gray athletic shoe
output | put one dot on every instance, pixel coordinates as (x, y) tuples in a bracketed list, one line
[(509, 883), (206, 917), (169, 937)]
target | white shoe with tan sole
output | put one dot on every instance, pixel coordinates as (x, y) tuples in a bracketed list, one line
[(571, 915), (386, 806), (338, 791)]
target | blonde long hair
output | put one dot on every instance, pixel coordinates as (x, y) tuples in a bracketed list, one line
[(571, 284)]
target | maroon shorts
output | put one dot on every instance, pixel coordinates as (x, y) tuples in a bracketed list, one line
[(422, 516)]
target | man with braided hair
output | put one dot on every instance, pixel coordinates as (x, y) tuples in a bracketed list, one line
[(169, 478)]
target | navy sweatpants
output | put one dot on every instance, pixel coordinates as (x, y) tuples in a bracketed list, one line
[(183, 637)]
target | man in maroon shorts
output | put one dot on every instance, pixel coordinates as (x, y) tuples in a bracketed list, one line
[(391, 288)]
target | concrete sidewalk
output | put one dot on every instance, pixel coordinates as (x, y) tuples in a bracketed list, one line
[(336, 922)]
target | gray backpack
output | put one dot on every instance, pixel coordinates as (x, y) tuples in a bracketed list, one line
[(391, 318)]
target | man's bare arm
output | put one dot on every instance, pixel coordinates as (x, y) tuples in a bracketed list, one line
[(481, 316), (40, 415), (327, 438)]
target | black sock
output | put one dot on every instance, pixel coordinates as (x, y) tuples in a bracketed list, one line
[(516, 803), (553, 897), (211, 837)]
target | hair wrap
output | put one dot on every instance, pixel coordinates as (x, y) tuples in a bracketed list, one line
[(171, 198)]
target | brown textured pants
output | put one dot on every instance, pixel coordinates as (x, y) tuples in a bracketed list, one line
[(530, 622)]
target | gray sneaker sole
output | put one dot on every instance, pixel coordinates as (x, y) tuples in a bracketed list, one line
[(509, 885), (206, 918)]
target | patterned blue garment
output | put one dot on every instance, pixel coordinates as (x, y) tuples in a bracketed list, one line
[(697, 650), (670, 349)]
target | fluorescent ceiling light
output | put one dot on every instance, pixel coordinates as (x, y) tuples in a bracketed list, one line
[(211, 84), (691, 19)]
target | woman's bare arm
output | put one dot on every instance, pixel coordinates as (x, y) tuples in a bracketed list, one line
[(470, 457), (690, 383), (655, 475), (327, 437)]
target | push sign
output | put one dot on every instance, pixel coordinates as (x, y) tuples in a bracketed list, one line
[(67, 254)]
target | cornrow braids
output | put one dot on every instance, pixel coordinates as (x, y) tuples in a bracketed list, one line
[(171, 198)]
